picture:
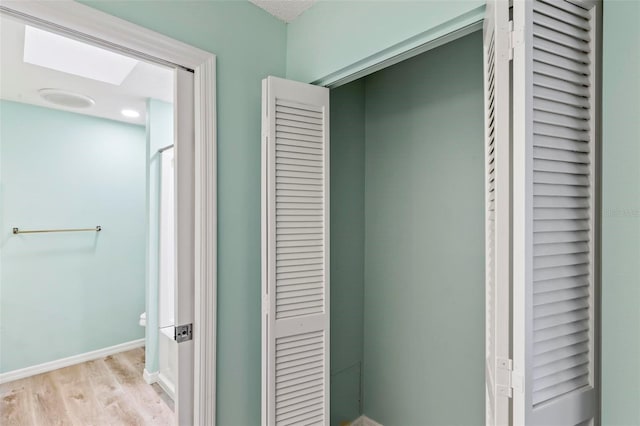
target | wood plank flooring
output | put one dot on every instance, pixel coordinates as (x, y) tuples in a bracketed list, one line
[(107, 391)]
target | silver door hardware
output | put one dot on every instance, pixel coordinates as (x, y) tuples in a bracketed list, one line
[(183, 333), (504, 368)]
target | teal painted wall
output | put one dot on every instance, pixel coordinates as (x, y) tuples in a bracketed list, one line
[(621, 214), (347, 249), (333, 35), (73, 292), (249, 45), (327, 38), (159, 134), (424, 239)]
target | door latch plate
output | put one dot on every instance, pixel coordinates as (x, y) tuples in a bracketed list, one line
[(183, 333)]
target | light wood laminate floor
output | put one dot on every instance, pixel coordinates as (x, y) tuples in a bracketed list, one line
[(107, 391)]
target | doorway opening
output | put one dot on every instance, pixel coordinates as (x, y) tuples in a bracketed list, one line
[(192, 74), (89, 264)]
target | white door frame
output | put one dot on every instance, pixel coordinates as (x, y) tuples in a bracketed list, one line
[(84, 23)]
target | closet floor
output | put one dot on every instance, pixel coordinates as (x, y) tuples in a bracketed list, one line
[(107, 391)]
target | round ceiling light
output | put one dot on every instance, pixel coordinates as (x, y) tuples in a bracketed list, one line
[(66, 98), (130, 113)]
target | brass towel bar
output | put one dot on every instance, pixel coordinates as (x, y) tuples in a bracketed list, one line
[(39, 231)]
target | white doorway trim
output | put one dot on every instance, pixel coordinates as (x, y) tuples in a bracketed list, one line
[(84, 23)]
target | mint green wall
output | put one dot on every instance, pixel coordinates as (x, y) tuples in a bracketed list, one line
[(621, 215), (424, 239), (249, 45), (159, 132), (333, 35), (74, 292), (347, 250)]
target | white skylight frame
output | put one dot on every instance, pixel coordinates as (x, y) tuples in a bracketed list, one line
[(71, 56)]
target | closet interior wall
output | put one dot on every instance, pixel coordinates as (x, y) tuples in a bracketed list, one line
[(407, 241)]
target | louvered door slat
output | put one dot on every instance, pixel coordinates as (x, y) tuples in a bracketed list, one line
[(561, 155), (560, 73), (555, 240), (560, 108), (561, 330), (571, 7), (549, 129), (560, 85), (550, 261), (568, 32), (561, 34), (561, 365), (297, 146), (316, 259), (560, 15), (295, 254), (560, 284), (304, 357), (575, 123), (560, 248), (285, 120), (559, 319), (295, 116), (561, 97)]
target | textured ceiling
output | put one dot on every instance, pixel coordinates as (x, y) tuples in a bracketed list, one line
[(286, 10)]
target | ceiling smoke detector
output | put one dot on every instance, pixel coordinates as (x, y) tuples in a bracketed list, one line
[(66, 98)]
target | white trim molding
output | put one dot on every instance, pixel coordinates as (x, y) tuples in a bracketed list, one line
[(167, 386), (22, 373), (161, 380), (84, 23), (364, 421), (150, 378), (206, 237)]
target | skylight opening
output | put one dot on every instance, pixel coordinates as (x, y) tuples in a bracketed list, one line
[(75, 57)]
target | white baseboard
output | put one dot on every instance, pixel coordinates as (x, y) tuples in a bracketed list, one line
[(150, 378), (10, 376), (167, 386), (364, 421)]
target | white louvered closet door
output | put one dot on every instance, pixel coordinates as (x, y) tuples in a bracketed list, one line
[(295, 257), (497, 213), (556, 278)]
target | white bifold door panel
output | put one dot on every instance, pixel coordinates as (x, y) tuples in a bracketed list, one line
[(295, 253), (555, 199), (496, 44)]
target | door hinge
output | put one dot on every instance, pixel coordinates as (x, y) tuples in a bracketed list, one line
[(183, 333), (265, 304), (504, 368), (507, 380), (516, 39)]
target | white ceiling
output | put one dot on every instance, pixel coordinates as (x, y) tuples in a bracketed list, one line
[(285, 10), (20, 81)]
